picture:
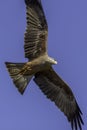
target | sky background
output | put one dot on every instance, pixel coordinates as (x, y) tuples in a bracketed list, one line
[(67, 43)]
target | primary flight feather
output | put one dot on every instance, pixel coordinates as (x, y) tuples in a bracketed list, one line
[(40, 64)]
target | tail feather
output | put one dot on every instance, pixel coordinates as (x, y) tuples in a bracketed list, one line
[(21, 81)]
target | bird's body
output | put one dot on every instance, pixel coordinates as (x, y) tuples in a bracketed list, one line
[(39, 66), (41, 63)]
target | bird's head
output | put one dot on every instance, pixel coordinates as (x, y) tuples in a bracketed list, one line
[(52, 61)]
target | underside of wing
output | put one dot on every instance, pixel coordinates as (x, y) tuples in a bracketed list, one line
[(36, 31), (58, 91)]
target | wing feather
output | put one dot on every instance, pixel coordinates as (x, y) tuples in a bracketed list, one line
[(36, 30), (58, 91)]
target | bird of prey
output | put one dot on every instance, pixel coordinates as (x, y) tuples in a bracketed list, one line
[(39, 66)]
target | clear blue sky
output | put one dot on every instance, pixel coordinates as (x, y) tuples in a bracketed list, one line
[(67, 43)]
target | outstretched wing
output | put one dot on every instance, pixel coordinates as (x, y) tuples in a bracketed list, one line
[(58, 91), (36, 31)]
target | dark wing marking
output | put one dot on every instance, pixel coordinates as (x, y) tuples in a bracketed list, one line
[(58, 91), (36, 31)]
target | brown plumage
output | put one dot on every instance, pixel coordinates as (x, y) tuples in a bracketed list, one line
[(40, 66), (36, 32)]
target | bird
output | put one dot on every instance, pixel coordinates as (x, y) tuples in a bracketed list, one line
[(39, 66)]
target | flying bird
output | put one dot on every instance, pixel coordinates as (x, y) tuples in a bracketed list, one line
[(39, 66)]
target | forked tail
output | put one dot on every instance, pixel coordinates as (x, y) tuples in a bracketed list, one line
[(21, 81)]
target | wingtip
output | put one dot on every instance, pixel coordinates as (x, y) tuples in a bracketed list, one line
[(77, 121), (27, 2)]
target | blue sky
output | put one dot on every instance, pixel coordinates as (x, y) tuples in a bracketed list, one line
[(67, 43)]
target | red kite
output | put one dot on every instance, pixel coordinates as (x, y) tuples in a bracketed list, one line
[(40, 64)]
